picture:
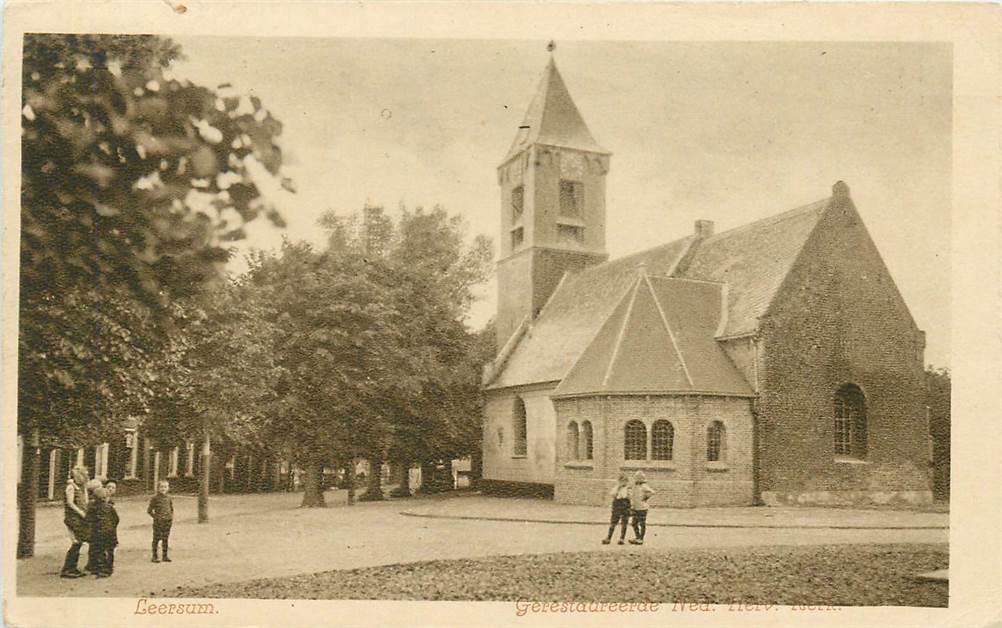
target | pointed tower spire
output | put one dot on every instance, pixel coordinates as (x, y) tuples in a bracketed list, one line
[(553, 118), (552, 203)]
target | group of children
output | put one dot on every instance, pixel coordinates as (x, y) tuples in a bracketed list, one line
[(90, 517), (630, 499)]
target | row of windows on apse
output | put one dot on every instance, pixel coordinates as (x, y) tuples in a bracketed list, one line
[(849, 431), (636, 443)]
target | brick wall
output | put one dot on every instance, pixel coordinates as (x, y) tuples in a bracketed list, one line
[(839, 319), (687, 479)]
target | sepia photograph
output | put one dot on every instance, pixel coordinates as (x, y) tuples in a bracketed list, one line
[(602, 329)]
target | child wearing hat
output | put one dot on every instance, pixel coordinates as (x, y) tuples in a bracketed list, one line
[(620, 509), (640, 494)]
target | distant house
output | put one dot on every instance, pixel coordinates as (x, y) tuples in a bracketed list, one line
[(775, 362), (138, 463)]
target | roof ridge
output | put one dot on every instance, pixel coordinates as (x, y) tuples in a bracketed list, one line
[(620, 333), (693, 279), (671, 334), (619, 261), (821, 204)]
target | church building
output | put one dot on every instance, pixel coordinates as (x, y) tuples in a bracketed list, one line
[(771, 363)]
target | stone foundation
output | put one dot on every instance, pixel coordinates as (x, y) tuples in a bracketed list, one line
[(847, 498)]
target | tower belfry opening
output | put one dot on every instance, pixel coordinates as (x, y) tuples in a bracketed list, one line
[(552, 202)]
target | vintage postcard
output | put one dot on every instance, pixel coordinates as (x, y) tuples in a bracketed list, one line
[(501, 314)]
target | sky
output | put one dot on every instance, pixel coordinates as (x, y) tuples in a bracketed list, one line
[(728, 132)]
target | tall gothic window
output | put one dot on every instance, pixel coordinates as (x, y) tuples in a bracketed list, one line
[(519, 428), (635, 440), (662, 440), (586, 440), (517, 237), (571, 198), (716, 442), (517, 204), (572, 441), (850, 422)]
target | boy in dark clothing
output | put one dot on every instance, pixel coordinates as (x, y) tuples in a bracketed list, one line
[(620, 509), (103, 522), (162, 510)]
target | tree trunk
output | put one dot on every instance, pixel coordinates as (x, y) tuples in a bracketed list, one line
[(222, 475), (476, 468), (447, 477), (203, 480), (374, 491), (402, 472), (349, 480), (313, 496), (428, 484), (29, 495)]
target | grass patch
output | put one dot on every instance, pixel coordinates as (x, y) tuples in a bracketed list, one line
[(840, 575)]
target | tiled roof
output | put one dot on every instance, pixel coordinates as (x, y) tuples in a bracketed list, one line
[(553, 119), (574, 314), (752, 260), (659, 339)]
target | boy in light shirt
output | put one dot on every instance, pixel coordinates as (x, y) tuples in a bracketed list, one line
[(640, 494)]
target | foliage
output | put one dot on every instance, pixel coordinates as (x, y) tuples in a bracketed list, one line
[(342, 331), (132, 183), (436, 272), (124, 167), (429, 246), (85, 363), (216, 371)]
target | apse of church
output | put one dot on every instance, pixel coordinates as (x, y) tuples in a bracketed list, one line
[(775, 362)]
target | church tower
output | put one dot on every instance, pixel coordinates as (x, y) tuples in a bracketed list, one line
[(552, 204)]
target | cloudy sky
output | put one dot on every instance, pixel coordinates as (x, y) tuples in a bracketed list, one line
[(729, 132)]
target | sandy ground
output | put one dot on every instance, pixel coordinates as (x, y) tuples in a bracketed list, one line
[(268, 535)]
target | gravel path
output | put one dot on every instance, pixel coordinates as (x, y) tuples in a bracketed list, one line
[(839, 575)]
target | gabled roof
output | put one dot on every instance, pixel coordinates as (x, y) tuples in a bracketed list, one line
[(553, 119), (752, 260), (660, 339)]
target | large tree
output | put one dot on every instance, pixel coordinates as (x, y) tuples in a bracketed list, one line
[(429, 254), (342, 326), (215, 376), (132, 184)]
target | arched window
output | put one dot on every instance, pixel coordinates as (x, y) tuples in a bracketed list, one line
[(586, 442), (635, 441), (716, 442), (850, 422), (519, 445), (662, 440), (572, 441)]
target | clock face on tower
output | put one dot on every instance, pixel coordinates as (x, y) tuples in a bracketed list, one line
[(572, 166)]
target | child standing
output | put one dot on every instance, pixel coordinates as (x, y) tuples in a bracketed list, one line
[(639, 496), (161, 508), (74, 517), (620, 509), (103, 520)]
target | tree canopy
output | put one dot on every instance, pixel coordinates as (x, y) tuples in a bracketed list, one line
[(133, 183)]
